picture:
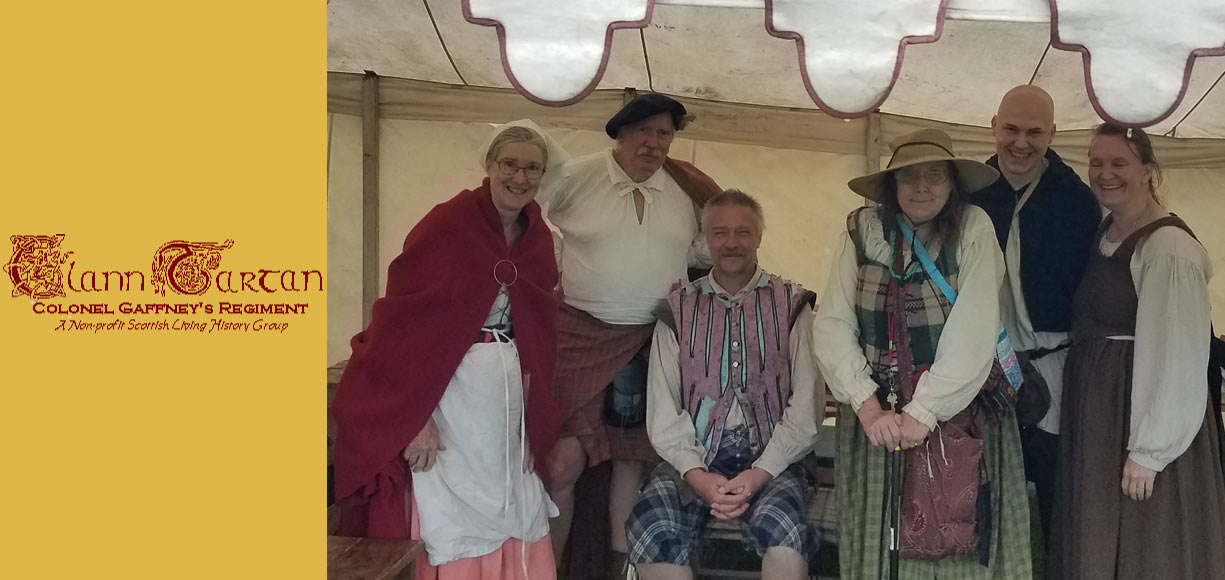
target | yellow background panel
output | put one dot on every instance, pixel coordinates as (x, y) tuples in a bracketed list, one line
[(164, 453)]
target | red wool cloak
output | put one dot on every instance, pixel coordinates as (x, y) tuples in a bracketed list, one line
[(439, 292)]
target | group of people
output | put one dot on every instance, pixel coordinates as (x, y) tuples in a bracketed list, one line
[(982, 325)]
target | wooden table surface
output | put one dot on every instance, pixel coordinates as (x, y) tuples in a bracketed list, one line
[(370, 558)]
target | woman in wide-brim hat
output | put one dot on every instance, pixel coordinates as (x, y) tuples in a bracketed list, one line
[(907, 349)]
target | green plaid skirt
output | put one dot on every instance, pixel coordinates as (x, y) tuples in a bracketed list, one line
[(860, 488)]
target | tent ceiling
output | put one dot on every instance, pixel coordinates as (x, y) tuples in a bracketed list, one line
[(725, 58), (725, 54), (390, 38)]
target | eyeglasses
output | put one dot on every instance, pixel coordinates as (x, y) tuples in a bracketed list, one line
[(932, 175), (508, 168)]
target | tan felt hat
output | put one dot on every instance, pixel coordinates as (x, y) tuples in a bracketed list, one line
[(920, 147)]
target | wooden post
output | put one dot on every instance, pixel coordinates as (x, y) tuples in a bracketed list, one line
[(370, 194), (871, 145), (328, 161)]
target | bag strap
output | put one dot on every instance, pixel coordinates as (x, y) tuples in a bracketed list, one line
[(929, 265), (1004, 353), (899, 335)]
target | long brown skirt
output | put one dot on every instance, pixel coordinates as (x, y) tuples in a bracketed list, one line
[(1099, 533)]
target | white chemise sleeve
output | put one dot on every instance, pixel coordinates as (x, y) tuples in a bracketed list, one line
[(966, 350), (1173, 327), (835, 331)]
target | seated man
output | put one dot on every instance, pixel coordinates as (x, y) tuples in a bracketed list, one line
[(732, 406)]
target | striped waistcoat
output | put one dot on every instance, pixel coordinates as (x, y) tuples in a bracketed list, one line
[(736, 352)]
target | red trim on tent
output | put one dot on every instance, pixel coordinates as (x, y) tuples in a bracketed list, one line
[(897, 67), (599, 74), (1087, 58)]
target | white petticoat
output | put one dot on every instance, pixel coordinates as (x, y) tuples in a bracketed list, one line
[(470, 503)]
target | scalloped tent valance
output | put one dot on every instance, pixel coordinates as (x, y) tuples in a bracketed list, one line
[(1145, 63)]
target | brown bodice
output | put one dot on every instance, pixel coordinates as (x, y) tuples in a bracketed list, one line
[(1106, 301)]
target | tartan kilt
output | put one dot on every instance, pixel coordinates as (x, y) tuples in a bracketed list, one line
[(590, 352), (667, 522), (860, 487)]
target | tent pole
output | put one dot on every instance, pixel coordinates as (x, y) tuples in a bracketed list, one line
[(370, 194), (871, 144)]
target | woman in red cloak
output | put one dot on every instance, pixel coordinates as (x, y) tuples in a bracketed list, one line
[(444, 406)]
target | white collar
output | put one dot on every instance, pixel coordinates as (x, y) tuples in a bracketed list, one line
[(625, 184), (758, 279)]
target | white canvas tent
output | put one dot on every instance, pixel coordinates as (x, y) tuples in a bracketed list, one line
[(436, 81)]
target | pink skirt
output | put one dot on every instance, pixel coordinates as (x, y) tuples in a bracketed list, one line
[(515, 560)]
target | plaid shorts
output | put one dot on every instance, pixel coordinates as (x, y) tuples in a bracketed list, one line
[(669, 517)]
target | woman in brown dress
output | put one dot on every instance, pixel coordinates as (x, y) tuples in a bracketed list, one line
[(1141, 491)]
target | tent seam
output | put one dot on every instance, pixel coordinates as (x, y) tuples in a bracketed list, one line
[(646, 59), (1170, 133), (442, 42), (1038, 66)]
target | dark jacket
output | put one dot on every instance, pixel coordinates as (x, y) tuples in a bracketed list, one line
[(1058, 225)]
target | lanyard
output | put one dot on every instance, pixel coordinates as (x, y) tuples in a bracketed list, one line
[(899, 359), (1004, 352), (929, 265)]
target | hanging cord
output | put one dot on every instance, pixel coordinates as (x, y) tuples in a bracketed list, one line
[(527, 381), (928, 446), (501, 337), (940, 436), (943, 456)]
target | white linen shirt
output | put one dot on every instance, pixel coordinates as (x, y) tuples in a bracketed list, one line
[(613, 267), (1170, 271), (1014, 314)]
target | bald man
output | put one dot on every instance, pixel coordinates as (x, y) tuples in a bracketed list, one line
[(1045, 218)]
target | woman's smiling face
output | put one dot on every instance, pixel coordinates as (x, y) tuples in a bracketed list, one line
[(514, 175), (923, 190), (1116, 173)]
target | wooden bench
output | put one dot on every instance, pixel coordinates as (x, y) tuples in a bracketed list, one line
[(362, 558), (352, 558), (722, 553), (371, 558)]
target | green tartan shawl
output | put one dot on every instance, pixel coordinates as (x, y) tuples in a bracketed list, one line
[(926, 307)]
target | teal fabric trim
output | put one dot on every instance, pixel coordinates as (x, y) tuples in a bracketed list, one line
[(929, 265), (710, 322), (693, 333), (702, 420), (726, 358), (761, 331)]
